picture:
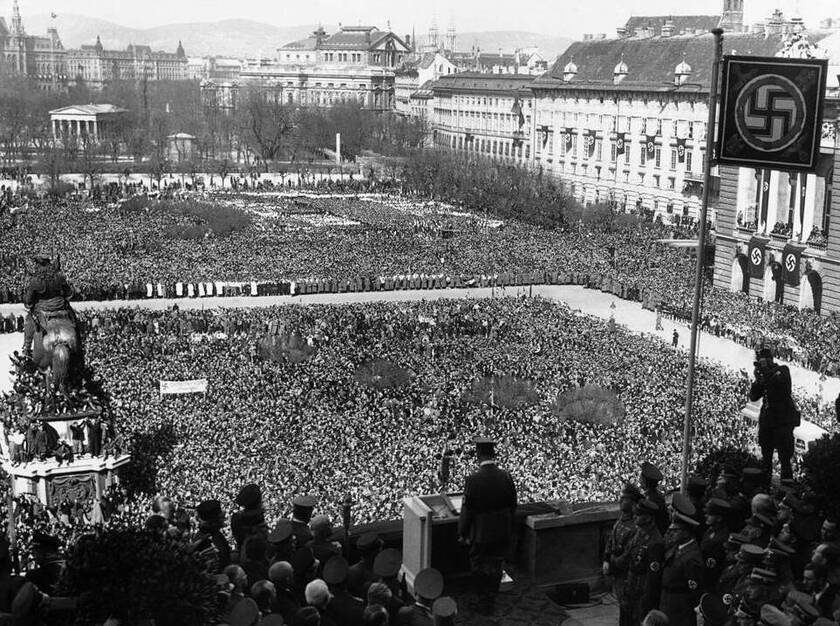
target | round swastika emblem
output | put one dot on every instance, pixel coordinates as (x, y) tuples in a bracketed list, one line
[(770, 113), (790, 262), (755, 257), (681, 150)]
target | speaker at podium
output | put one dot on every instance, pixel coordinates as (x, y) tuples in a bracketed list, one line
[(430, 536)]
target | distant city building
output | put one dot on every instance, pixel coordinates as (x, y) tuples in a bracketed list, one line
[(85, 120), (484, 114), (97, 66), (213, 68), (417, 72), (356, 64), (41, 59)]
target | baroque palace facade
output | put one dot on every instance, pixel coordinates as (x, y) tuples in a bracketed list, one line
[(619, 119)]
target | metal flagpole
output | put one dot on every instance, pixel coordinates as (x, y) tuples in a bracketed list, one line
[(701, 245)]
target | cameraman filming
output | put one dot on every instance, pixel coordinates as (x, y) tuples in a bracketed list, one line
[(778, 416)]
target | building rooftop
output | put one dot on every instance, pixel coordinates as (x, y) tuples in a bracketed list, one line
[(651, 62), (483, 82), (680, 23), (88, 109)]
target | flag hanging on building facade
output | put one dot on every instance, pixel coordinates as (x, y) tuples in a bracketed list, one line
[(620, 141), (790, 263), (755, 255), (681, 150), (650, 144)]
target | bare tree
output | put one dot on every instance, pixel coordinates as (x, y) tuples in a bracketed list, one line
[(265, 122)]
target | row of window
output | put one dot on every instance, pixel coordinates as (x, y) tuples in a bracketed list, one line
[(629, 124), (492, 147)]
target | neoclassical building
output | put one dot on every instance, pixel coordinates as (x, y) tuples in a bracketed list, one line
[(41, 59), (356, 64)]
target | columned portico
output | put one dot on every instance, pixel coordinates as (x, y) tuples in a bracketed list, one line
[(89, 120)]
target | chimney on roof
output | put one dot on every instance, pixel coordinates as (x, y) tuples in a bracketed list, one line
[(668, 28), (621, 31), (408, 41)]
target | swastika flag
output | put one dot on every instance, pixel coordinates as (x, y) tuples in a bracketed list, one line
[(755, 257), (790, 264), (771, 112)]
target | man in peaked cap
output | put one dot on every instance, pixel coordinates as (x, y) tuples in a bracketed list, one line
[(696, 490), (444, 610), (645, 553), (428, 587), (615, 562), (323, 543), (734, 578), (386, 566), (711, 611), (360, 575), (712, 545), (762, 522), (682, 568), (302, 507), (281, 541), (251, 519), (209, 538), (651, 477), (778, 416), (486, 522), (343, 607)]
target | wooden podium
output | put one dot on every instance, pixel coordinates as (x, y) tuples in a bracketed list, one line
[(430, 536)]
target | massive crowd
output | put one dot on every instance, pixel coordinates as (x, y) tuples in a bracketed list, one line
[(315, 425)]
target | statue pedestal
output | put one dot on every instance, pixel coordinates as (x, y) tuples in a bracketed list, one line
[(84, 479)]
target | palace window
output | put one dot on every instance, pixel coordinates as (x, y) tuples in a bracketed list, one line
[(658, 157), (643, 155), (673, 159), (688, 161), (613, 152)]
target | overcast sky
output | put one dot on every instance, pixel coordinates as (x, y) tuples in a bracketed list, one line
[(560, 17)]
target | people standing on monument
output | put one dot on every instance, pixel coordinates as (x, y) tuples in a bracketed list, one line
[(486, 523), (778, 416)]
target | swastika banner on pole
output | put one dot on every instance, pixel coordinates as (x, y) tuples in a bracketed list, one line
[(790, 264), (771, 112)]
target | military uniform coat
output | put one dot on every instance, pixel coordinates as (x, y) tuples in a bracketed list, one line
[(682, 573)]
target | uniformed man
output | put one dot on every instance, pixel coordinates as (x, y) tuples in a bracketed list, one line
[(209, 538), (727, 488), (386, 567), (734, 578), (49, 564), (651, 477), (486, 522), (343, 607), (682, 567), (324, 542), (616, 559), (645, 553), (302, 507), (444, 611), (428, 587), (281, 542), (712, 545), (360, 575)]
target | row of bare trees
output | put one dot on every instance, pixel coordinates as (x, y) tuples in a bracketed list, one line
[(258, 133)]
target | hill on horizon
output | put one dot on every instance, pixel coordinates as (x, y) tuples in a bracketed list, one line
[(247, 38)]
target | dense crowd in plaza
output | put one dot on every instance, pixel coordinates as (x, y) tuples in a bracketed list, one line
[(319, 426)]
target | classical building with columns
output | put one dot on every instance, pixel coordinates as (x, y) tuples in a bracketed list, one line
[(84, 120), (794, 218)]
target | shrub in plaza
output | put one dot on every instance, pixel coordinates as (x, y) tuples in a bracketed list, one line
[(822, 473), (711, 465), (591, 404)]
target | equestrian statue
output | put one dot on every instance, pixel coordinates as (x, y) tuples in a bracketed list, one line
[(51, 325)]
